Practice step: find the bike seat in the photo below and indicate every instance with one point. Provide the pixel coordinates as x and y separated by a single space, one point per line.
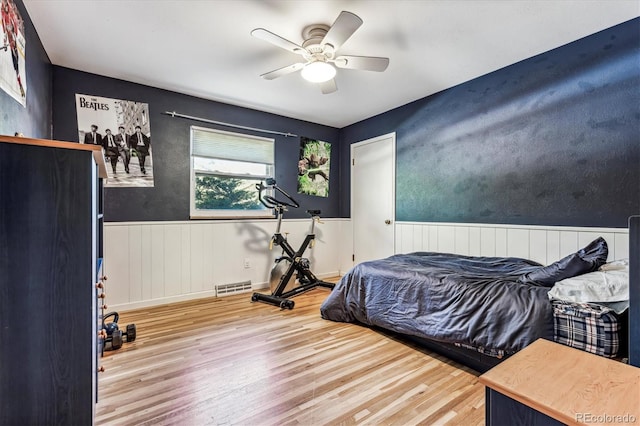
314 212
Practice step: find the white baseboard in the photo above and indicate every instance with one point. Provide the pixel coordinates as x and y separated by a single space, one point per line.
194 296
161 301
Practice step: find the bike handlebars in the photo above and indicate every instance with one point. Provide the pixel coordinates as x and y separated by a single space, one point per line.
272 202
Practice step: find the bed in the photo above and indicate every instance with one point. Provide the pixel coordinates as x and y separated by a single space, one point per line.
479 310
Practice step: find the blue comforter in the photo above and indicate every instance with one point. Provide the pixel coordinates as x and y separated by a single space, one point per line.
471 301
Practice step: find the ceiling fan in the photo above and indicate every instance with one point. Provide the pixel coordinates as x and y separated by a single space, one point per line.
321 42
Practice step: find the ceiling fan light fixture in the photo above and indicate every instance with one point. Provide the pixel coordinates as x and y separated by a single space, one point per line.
319 51
318 72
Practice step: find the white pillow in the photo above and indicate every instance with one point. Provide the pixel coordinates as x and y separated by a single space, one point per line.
615 265
609 284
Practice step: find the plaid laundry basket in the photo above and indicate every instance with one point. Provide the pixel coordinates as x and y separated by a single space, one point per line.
589 327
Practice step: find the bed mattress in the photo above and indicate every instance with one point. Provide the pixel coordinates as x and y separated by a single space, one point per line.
474 303
469 301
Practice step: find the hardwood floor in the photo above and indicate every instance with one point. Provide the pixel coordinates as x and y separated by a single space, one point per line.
229 361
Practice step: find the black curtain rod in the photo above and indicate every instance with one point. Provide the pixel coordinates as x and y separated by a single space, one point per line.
221 123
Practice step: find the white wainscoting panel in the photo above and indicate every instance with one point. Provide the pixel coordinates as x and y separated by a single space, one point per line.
346 246
151 263
544 244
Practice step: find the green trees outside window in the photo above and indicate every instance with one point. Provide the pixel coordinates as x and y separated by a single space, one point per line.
226 193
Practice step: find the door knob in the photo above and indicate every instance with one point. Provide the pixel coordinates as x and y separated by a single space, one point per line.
387 222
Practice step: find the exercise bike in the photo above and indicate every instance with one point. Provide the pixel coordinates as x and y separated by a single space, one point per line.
306 280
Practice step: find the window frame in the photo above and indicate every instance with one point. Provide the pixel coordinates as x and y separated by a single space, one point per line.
195 213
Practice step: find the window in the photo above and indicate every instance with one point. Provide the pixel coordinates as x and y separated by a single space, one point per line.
225 168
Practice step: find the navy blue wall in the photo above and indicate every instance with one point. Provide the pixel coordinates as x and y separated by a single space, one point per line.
552 140
34 121
169 198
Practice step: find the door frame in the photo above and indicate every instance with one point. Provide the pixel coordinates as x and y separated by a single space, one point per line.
392 136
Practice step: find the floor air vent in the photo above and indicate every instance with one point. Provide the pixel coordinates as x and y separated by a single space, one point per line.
233 288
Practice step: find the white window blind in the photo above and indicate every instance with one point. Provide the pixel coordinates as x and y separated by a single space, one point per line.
231 146
225 168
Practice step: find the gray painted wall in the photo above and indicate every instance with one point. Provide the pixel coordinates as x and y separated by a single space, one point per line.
169 198
552 140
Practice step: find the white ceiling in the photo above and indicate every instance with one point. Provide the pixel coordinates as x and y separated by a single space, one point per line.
204 48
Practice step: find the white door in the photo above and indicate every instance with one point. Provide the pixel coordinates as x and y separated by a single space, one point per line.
373 197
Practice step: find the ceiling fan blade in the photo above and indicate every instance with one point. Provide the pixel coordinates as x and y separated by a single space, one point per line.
345 25
275 39
328 86
282 71
367 63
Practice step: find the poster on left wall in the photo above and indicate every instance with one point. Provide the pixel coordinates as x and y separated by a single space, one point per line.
13 48
122 128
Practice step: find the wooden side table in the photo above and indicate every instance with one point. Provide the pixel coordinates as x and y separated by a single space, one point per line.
548 383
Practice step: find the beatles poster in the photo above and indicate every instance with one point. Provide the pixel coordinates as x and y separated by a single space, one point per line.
313 167
122 129
13 45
